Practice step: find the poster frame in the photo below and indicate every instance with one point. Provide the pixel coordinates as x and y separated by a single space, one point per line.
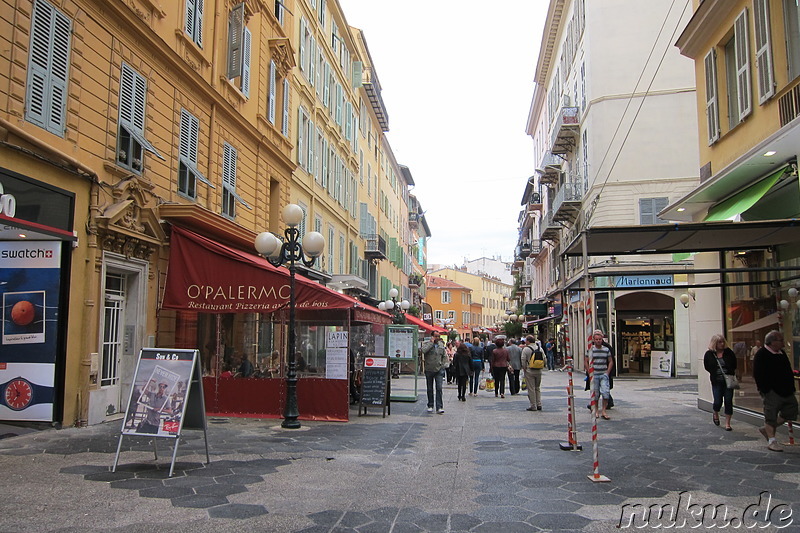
396 335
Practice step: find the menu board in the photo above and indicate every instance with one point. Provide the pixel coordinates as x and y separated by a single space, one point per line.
374 382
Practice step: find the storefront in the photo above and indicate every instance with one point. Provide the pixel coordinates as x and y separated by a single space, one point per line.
233 307
35 243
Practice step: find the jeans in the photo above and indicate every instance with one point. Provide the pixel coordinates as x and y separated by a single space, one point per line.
551 361
430 379
600 381
721 392
475 377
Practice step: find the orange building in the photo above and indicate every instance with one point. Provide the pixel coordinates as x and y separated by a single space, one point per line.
452 305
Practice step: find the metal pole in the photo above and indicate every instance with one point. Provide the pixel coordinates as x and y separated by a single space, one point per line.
290 411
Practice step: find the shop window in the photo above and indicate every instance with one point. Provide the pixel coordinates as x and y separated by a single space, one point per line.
188 175
48 68
131 143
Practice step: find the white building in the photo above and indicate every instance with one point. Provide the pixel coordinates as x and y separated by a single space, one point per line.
614 130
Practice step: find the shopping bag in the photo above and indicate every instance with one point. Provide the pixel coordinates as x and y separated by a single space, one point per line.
482 384
490 384
524 384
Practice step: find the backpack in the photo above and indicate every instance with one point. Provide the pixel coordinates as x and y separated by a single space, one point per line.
536 361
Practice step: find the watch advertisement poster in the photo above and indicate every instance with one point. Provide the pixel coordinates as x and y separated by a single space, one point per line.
157 402
30 281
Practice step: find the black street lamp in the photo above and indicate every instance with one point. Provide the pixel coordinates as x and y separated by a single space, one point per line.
395 308
289 251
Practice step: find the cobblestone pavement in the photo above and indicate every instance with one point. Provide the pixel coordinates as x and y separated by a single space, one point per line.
486 465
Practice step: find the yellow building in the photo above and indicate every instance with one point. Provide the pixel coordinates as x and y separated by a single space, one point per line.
121 120
452 304
747 66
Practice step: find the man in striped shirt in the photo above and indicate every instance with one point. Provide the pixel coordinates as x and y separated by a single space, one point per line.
602 362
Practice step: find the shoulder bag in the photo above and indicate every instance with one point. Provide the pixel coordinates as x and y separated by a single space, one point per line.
730 380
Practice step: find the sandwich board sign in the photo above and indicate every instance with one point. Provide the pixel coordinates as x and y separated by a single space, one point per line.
375 385
166 398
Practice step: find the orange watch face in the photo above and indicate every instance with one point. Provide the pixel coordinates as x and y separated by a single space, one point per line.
18 394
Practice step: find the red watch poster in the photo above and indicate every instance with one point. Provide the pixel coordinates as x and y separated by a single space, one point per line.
30 277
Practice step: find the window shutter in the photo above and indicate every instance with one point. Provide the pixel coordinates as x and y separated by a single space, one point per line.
190 18
248 38
646 215
302 62
766 79
229 158
363 221
39 64
660 204
743 64
59 72
285 124
312 58
300 133
712 105
310 144
198 23
185 136
358 74
272 92
235 37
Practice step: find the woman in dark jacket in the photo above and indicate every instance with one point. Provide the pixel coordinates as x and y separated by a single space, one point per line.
462 368
718 361
499 362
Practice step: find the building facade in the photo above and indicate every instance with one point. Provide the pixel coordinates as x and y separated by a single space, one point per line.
613 128
747 67
124 120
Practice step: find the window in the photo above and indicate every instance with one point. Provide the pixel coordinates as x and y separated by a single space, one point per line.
279 9
331 248
712 104
187 161
131 142
791 17
239 43
48 69
438 315
649 209
445 297
451 315
342 254
285 121
766 80
229 195
194 21
465 317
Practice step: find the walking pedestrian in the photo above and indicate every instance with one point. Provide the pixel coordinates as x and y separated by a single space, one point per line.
533 376
462 368
514 355
599 356
435 362
450 350
499 362
477 367
550 352
774 379
718 361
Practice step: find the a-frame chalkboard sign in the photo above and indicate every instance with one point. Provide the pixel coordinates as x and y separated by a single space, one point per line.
166 398
375 385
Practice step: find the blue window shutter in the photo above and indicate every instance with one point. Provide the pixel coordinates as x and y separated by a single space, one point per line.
59 72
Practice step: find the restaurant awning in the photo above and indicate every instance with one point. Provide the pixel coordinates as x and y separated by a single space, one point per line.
755 325
207 276
540 320
685 237
411 319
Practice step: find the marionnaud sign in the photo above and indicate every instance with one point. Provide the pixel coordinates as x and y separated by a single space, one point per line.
634 282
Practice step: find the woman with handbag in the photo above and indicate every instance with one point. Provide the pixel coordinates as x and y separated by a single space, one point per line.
720 363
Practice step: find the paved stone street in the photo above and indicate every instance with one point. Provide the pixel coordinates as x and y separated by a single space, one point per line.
486 465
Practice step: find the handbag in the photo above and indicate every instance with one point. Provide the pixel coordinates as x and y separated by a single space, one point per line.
730 380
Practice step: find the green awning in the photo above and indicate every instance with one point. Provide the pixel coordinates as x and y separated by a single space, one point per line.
744 199
535 309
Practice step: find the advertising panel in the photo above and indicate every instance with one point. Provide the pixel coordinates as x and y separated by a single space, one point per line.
30 279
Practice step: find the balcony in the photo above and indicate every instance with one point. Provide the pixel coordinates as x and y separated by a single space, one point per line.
548 229
565 131
413 220
375 247
550 170
414 281
525 281
567 203
789 105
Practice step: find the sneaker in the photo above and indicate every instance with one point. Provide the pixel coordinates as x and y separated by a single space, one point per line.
440 411
539 408
430 409
763 431
530 409
775 447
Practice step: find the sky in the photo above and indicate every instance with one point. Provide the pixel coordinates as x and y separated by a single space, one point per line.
457 82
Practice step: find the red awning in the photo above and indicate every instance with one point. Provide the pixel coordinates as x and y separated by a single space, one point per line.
411 319
208 276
